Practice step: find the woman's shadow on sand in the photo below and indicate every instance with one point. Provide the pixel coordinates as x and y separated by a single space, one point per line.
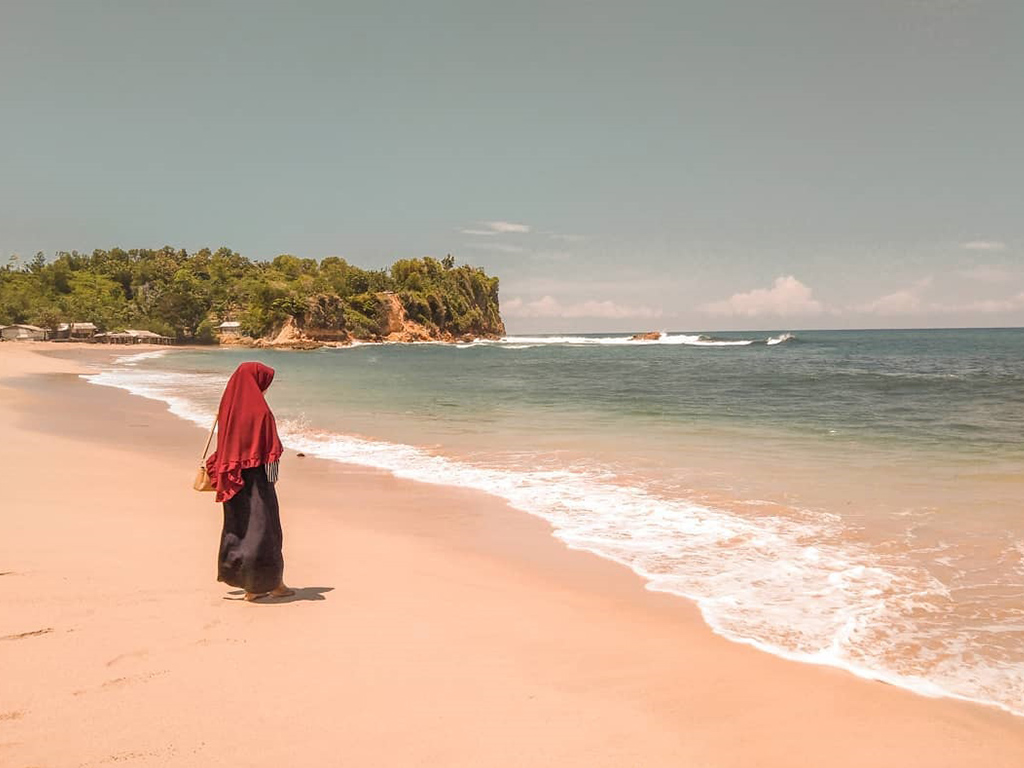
301 593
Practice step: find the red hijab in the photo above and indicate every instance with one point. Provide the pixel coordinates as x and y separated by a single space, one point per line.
246 430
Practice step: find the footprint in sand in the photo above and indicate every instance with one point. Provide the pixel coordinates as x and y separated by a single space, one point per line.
119 682
16 714
23 635
129 655
218 641
132 757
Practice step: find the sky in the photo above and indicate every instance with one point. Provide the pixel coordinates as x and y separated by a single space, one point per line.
691 166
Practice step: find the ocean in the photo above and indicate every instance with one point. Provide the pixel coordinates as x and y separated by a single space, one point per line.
848 498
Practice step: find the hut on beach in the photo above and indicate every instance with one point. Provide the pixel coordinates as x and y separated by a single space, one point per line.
230 328
132 336
22 332
75 332
148 337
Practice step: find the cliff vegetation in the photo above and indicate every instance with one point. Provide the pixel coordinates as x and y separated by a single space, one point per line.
290 300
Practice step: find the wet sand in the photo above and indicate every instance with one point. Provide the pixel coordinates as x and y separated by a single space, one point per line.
431 626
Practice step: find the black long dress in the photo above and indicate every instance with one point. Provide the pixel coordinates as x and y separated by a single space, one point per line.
250 544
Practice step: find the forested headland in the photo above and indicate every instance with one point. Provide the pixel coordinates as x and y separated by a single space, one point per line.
187 295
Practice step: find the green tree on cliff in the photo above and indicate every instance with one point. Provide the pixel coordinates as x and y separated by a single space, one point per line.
186 295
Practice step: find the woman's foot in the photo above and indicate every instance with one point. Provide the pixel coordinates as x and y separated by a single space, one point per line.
253 596
282 591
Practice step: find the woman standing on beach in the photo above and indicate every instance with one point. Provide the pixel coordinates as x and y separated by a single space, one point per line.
243 471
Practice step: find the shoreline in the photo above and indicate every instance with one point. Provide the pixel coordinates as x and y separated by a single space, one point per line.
445 470
493 592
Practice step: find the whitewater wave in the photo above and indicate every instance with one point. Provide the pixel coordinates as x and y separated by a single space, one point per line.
665 339
180 391
791 584
138 357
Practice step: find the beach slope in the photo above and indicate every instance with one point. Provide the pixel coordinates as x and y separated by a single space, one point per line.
431 626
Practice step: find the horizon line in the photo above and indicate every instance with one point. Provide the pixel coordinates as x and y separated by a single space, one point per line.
787 330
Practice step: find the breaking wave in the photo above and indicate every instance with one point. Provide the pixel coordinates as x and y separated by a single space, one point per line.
138 357
666 339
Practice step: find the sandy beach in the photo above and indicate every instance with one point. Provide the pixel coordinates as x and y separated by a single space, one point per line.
431 626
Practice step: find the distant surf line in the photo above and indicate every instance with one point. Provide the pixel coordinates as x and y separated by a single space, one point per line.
664 339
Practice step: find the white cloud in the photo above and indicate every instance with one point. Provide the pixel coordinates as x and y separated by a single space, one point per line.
908 301
787 297
549 306
506 226
912 301
489 228
984 245
992 306
905 302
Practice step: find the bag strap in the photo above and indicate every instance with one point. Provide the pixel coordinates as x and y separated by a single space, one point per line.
209 440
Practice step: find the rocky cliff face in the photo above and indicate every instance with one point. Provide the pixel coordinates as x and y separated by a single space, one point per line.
391 323
396 325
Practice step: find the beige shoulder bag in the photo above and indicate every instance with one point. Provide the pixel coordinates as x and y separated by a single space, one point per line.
202 481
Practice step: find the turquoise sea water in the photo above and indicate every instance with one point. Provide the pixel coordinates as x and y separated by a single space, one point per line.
836 497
